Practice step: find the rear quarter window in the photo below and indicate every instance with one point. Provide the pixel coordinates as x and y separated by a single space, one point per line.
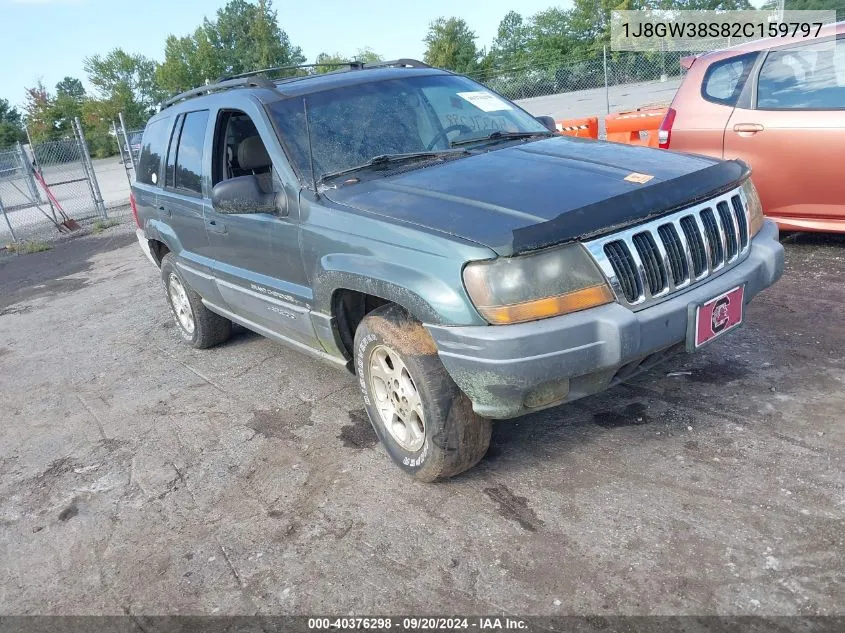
724 80
153 148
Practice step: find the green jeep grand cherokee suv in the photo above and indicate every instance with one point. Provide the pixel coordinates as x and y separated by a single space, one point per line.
462 260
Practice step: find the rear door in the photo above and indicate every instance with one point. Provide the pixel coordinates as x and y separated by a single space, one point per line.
147 182
184 196
793 134
701 118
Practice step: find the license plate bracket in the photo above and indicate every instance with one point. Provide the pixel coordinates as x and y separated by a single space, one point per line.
710 320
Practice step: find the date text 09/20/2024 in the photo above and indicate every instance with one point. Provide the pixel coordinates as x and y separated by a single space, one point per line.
417 623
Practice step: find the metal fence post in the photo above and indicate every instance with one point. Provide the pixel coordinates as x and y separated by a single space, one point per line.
606 85
92 177
26 167
120 149
81 149
9 224
126 139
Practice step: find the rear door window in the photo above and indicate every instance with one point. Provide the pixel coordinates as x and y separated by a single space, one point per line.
170 168
189 155
810 77
153 147
724 80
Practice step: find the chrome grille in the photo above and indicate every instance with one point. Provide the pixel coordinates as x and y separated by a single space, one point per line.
646 263
717 246
675 250
652 261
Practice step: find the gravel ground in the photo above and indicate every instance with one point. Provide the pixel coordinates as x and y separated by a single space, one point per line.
140 476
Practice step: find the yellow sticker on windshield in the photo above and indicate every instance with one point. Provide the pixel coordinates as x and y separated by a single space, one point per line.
638 178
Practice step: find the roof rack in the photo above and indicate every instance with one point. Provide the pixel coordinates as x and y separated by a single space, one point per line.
353 65
226 84
250 79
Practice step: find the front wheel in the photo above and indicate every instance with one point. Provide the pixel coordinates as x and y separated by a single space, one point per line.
425 422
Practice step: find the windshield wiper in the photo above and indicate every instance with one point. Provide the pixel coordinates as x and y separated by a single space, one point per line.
499 135
383 159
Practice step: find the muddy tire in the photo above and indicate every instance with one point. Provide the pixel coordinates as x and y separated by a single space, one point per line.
424 421
199 327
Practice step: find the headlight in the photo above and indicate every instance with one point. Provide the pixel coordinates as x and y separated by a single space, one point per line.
755 209
529 287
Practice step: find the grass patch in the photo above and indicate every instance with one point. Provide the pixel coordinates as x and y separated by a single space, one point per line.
101 225
25 248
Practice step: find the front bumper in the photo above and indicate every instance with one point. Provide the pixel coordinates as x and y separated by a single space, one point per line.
511 370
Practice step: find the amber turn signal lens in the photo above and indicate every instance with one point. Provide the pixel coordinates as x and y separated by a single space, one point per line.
548 307
756 223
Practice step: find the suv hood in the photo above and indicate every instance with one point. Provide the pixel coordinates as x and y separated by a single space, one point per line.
528 196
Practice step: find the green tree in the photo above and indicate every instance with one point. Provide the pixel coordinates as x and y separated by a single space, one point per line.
11 126
124 83
67 104
119 72
810 5
551 36
243 37
71 87
38 113
451 44
189 62
509 49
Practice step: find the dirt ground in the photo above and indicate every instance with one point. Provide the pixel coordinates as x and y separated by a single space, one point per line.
140 476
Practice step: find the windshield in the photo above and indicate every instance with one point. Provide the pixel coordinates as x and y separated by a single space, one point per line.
352 125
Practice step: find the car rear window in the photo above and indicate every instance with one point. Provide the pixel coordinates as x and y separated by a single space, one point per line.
153 147
724 80
810 77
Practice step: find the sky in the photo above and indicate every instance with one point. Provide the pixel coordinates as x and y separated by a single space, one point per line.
48 39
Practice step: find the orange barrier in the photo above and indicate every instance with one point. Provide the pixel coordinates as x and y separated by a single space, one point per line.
636 127
587 127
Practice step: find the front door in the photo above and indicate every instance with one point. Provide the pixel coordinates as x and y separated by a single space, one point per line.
794 136
257 262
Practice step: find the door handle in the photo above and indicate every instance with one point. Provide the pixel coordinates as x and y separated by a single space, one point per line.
166 211
748 129
216 227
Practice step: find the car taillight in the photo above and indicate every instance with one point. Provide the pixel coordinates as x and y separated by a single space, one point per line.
664 132
134 208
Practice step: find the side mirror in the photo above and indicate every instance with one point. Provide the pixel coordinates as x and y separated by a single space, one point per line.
244 195
548 122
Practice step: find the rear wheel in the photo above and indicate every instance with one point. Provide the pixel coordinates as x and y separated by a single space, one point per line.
199 327
425 422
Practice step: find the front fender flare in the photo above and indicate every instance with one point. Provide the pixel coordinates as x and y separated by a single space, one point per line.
405 286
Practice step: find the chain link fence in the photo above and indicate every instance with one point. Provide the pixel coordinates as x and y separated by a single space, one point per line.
593 86
50 188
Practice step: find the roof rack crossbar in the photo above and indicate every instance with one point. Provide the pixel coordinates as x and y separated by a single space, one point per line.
408 63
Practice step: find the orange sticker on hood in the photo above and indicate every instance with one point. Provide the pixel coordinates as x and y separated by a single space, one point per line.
638 178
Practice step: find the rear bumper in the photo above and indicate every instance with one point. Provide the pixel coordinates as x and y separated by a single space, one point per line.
512 370
145 246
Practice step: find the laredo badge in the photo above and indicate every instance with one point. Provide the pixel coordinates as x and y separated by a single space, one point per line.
638 178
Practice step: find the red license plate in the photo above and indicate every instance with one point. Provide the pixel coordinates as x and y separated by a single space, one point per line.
718 316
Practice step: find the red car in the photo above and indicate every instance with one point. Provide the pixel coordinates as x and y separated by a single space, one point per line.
779 105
